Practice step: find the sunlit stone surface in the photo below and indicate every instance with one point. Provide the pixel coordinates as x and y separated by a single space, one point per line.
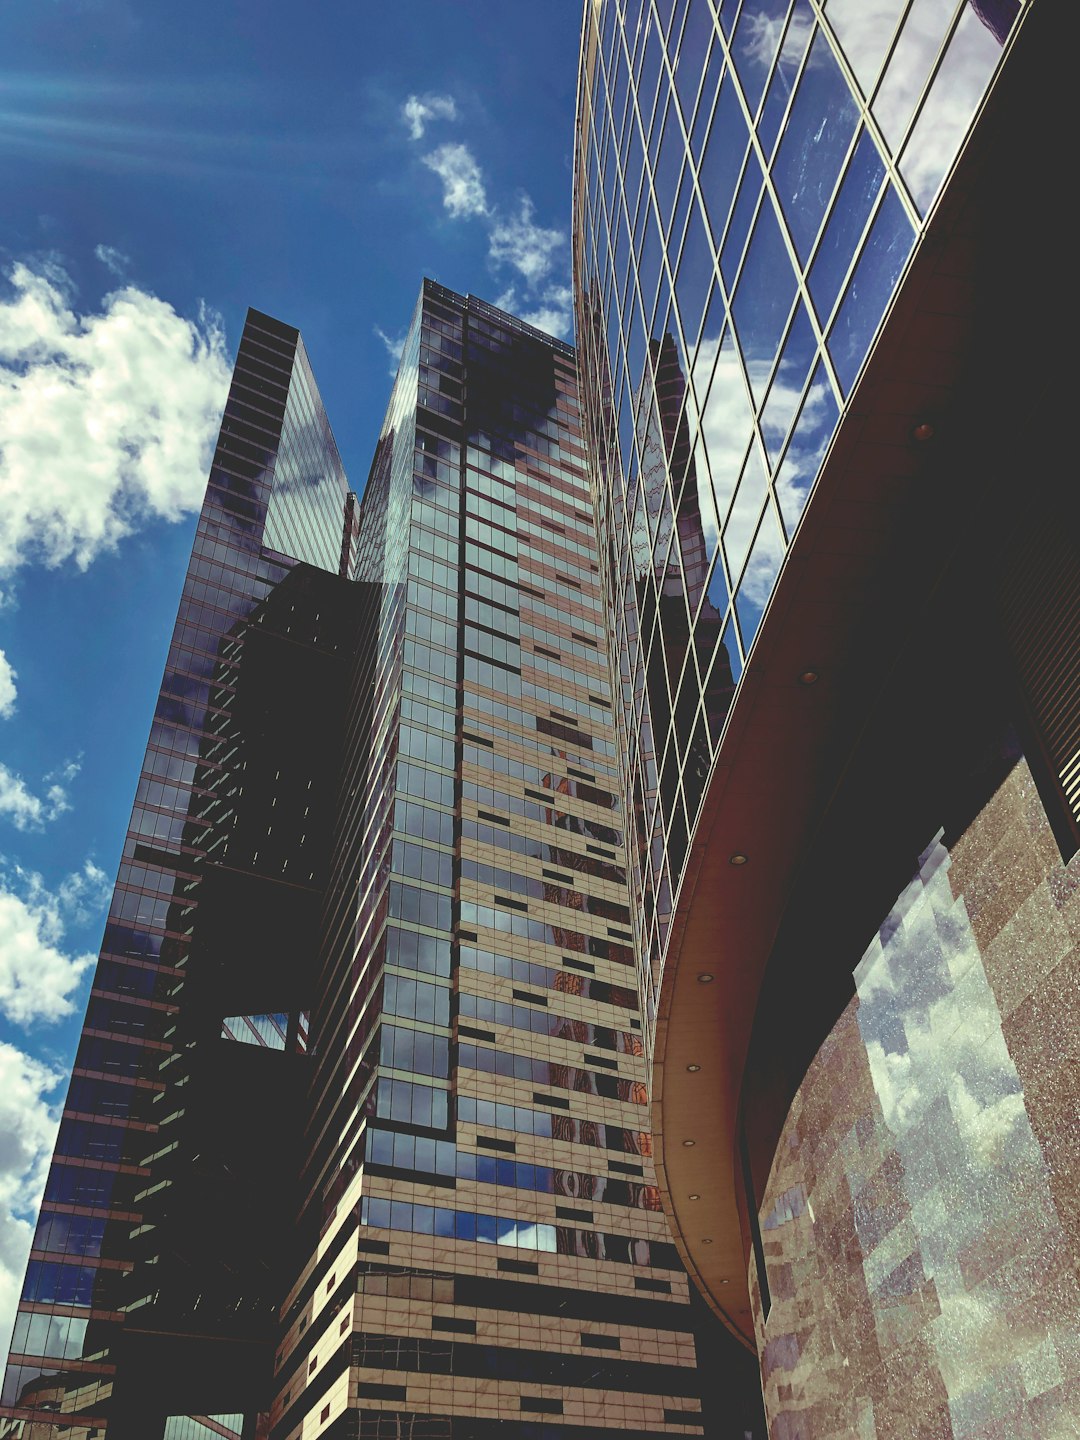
920 1224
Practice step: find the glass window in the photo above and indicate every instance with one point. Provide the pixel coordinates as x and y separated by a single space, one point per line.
786 390
649 264
763 299
745 515
755 42
798 32
726 424
741 217
760 576
865 33
815 140
816 423
649 73
857 194
723 158
696 274
872 284
694 57
959 86
669 159
910 67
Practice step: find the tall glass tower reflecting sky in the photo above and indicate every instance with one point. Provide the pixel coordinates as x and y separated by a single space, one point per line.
750 182
816 290
358 1142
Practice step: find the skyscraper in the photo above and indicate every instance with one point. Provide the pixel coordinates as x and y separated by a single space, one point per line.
357 1141
841 562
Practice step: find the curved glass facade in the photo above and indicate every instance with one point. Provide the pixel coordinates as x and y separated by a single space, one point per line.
751 181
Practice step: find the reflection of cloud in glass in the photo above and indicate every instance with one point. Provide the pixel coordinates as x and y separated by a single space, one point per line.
760 33
864 29
809 442
723 431
965 73
787 386
745 513
757 37
764 563
951 1096
909 67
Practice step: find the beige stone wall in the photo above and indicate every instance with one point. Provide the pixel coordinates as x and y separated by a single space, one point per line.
921 1224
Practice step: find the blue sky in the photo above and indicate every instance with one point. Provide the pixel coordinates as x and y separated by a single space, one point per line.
163 167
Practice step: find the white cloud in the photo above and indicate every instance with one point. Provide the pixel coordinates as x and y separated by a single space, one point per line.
463 183
534 254
522 244
113 259
416 112
36 975
7 687
28 1124
84 894
393 347
28 811
554 313
106 419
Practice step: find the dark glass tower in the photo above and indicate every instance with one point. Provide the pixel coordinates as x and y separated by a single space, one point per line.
154 1276
357 1143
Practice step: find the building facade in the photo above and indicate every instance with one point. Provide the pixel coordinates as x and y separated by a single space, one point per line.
357 1141
840 556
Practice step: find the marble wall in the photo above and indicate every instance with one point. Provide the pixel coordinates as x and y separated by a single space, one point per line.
921 1223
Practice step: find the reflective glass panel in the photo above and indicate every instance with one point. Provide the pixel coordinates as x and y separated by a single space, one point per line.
816 138
959 85
870 289
857 193
763 299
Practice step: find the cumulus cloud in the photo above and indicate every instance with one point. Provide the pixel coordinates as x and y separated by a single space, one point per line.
554 313
106 419
113 259
417 111
28 1121
37 975
83 895
462 181
532 256
528 248
393 346
29 811
7 687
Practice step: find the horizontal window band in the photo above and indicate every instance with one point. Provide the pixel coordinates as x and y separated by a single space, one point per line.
474 1034
495 819
539 1098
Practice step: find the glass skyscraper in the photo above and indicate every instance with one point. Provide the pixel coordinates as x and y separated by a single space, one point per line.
818 283
357 1142
751 181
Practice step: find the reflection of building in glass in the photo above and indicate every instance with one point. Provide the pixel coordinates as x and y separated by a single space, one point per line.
357 1140
815 388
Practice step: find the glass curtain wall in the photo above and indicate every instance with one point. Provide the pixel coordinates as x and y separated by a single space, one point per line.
750 182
